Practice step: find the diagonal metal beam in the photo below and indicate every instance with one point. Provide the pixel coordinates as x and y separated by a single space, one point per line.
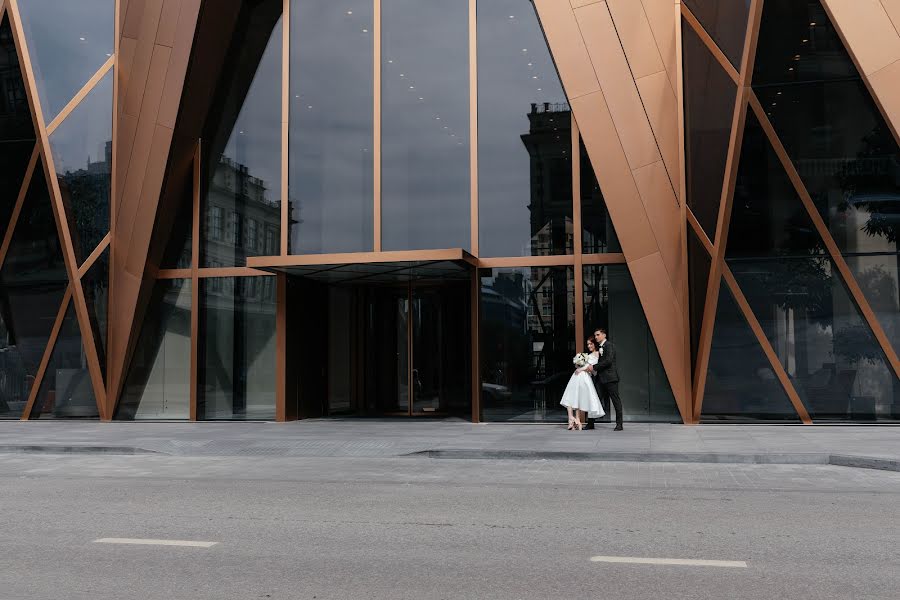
59 214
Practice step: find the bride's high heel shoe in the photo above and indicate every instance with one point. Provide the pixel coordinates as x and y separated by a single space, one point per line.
578 425
571 424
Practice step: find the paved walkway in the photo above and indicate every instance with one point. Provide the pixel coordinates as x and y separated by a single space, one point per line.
850 445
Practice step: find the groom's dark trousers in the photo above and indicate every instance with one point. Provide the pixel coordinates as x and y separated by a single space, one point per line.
606 379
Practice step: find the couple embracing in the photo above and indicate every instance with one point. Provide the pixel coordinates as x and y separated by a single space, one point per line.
596 375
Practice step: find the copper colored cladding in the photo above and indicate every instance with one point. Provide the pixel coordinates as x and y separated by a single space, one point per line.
59 214
157 40
620 140
870 30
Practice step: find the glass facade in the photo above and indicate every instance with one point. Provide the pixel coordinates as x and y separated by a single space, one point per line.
425 191
236 374
398 214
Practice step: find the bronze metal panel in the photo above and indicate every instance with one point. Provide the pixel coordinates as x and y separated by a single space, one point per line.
178 63
615 177
124 60
664 18
349 258
134 12
140 68
604 259
568 48
662 110
618 85
168 23
892 7
172 274
664 316
125 134
634 31
868 31
580 3
664 215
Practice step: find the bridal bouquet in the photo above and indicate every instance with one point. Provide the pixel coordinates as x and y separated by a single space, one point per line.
580 360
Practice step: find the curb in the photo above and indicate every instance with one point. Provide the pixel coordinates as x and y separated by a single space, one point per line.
858 462
54 449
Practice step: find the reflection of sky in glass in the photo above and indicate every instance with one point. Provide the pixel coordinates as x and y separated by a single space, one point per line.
79 148
425 117
255 140
331 127
514 70
69 40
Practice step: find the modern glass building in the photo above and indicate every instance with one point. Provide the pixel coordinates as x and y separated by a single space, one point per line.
287 209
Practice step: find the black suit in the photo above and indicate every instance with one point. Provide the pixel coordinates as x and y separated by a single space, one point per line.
606 380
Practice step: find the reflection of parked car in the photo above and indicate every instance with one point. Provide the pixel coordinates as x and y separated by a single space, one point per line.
492 391
883 204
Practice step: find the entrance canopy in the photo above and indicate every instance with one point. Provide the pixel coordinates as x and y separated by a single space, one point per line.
373 267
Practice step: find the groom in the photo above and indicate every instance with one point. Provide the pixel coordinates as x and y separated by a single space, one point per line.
606 378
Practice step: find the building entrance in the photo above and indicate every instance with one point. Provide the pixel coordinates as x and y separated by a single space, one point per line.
362 348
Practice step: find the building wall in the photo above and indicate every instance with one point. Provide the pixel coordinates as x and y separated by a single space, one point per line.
716 183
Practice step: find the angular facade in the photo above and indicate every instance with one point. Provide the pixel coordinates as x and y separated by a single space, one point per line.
287 209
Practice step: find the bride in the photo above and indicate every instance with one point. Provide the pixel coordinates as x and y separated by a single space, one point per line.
580 394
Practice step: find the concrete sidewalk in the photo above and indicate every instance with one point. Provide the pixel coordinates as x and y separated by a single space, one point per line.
872 447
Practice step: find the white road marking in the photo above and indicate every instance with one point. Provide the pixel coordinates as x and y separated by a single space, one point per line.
734 564
143 542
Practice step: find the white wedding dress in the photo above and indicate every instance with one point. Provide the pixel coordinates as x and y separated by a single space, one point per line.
580 393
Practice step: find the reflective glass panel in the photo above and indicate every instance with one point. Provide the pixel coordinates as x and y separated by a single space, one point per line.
726 22
527 342
66 391
709 96
524 137
82 152
68 42
798 43
828 350
699 264
768 218
598 234
425 124
740 381
878 276
611 302
242 166
32 283
831 128
158 384
17 137
331 158
236 374
179 247
96 293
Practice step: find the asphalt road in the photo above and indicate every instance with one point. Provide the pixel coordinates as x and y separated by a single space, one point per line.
348 528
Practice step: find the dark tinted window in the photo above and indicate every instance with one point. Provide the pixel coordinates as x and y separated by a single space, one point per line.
241 208
726 22
709 96
524 137
96 293
527 342
598 234
331 157
740 381
699 264
425 124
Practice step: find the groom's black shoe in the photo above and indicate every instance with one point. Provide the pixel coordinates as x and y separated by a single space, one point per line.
590 424
618 428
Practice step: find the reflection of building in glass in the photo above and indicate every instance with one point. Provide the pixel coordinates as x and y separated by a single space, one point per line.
549 145
241 221
86 196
